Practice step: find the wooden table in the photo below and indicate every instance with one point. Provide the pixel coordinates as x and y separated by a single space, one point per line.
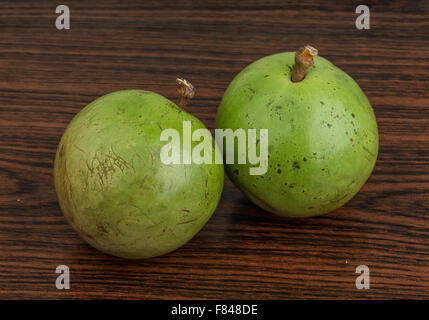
48 75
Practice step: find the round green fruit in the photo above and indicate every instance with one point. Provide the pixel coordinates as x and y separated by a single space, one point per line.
113 187
322 133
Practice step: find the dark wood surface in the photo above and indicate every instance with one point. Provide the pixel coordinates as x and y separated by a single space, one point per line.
47 76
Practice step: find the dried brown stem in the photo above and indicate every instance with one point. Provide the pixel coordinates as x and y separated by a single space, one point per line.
303 61
186 91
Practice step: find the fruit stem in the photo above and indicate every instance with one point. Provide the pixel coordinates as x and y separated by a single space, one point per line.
186 92
303 61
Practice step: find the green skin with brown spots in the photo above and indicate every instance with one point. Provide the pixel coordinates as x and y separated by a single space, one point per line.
113 187
323 137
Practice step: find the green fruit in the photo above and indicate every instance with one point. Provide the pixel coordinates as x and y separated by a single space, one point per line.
113 187
323 138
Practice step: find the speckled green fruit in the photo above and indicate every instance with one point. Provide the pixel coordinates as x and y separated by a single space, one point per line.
323 137
113 187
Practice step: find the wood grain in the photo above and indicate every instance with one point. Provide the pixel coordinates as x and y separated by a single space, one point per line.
48 75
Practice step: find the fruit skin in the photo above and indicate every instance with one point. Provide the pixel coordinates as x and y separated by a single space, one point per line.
323 137
113 187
